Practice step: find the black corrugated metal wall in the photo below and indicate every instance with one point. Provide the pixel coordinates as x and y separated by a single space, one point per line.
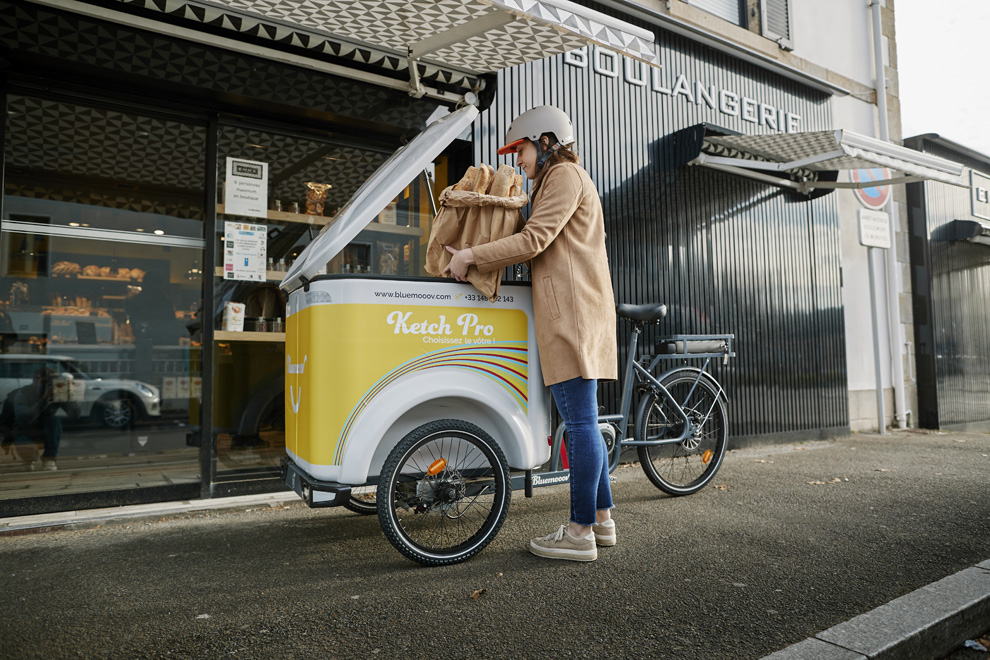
950 281
726 254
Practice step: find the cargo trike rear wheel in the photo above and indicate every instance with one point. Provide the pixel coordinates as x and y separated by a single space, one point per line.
443 493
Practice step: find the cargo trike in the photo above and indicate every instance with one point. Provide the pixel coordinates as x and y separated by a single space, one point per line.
421 401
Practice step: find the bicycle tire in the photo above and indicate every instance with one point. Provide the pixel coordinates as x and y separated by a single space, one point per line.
685 467
363 501
449 516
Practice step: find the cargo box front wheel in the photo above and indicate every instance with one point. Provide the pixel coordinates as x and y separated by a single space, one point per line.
444 492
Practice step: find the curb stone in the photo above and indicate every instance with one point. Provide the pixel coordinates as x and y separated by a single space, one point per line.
128 514
929 622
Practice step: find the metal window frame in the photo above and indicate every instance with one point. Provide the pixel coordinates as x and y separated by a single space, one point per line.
95 234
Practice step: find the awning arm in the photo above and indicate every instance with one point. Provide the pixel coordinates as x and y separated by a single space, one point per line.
450 37
705 159
750 174
865 184
462 32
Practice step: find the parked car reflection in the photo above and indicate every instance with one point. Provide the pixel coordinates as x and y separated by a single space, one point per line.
114 402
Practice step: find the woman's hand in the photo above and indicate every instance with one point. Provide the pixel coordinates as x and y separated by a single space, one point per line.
459 263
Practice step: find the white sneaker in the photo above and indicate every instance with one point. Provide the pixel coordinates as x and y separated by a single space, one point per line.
561 545
604 532
49 464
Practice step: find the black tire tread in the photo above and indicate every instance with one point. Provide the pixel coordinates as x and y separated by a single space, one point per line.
392 463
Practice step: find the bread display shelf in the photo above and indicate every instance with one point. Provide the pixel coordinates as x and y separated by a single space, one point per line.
319 220
270 275
227 335
285 216
96 278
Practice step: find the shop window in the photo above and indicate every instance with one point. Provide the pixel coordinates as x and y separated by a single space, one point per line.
296 184
776 22
100 290
733 11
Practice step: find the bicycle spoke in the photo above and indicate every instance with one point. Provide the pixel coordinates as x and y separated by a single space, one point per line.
683 466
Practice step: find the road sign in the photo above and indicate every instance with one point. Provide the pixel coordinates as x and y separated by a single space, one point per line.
874 228
872 197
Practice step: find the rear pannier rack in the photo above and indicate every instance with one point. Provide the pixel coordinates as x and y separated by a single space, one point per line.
695 346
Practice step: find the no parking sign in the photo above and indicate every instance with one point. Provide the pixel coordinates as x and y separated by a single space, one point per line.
872 197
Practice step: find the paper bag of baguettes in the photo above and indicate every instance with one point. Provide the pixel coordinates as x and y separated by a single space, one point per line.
482 207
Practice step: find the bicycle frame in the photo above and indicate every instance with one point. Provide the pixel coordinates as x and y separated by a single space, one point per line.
636 376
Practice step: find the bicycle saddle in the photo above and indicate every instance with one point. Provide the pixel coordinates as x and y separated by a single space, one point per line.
644 313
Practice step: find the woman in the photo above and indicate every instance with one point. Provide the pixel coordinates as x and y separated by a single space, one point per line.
573 308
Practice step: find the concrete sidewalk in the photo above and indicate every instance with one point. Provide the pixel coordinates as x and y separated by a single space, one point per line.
866 547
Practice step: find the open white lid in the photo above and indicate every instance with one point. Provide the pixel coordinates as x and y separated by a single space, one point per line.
383 186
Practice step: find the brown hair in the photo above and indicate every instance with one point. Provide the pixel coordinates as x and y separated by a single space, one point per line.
561 155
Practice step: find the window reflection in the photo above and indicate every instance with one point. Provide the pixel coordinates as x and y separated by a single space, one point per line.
100 298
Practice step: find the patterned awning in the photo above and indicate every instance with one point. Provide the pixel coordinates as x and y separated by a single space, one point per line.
466 36
824 151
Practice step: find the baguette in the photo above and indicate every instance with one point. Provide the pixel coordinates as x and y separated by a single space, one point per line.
469 179
502 182
516 189
485 177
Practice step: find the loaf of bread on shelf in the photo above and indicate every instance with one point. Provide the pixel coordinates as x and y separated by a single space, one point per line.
105 271
124 273
502 182
65 268
91 271
137 274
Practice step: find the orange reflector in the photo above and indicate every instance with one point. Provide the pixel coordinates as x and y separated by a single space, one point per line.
707 456
437 466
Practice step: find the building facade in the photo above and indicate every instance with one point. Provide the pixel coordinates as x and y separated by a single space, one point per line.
119 236
950 266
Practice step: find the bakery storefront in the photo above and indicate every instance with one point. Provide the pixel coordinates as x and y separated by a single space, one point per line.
165 162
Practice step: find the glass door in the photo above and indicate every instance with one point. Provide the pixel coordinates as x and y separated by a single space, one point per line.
100 298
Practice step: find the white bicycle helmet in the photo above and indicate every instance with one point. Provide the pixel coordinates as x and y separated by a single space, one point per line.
533 123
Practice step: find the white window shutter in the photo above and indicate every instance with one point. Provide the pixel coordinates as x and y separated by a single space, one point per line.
777 23
730 10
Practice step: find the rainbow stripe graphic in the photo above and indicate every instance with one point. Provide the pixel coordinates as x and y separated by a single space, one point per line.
506 363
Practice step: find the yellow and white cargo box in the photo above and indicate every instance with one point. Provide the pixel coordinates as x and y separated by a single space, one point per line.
368 360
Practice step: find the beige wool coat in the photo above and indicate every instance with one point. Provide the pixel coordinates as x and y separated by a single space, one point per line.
573 304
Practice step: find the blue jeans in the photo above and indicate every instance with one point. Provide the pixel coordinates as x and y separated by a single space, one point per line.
577 402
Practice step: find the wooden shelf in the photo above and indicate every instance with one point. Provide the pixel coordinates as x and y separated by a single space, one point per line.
283 216
227 335
125 280
270 275
319 220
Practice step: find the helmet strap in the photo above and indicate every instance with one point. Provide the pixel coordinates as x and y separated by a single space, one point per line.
544 154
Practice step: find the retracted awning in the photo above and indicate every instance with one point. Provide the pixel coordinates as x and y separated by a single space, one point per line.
467 36
801 160
973 231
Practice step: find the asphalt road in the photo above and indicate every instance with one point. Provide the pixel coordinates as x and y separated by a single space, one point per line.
790 540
